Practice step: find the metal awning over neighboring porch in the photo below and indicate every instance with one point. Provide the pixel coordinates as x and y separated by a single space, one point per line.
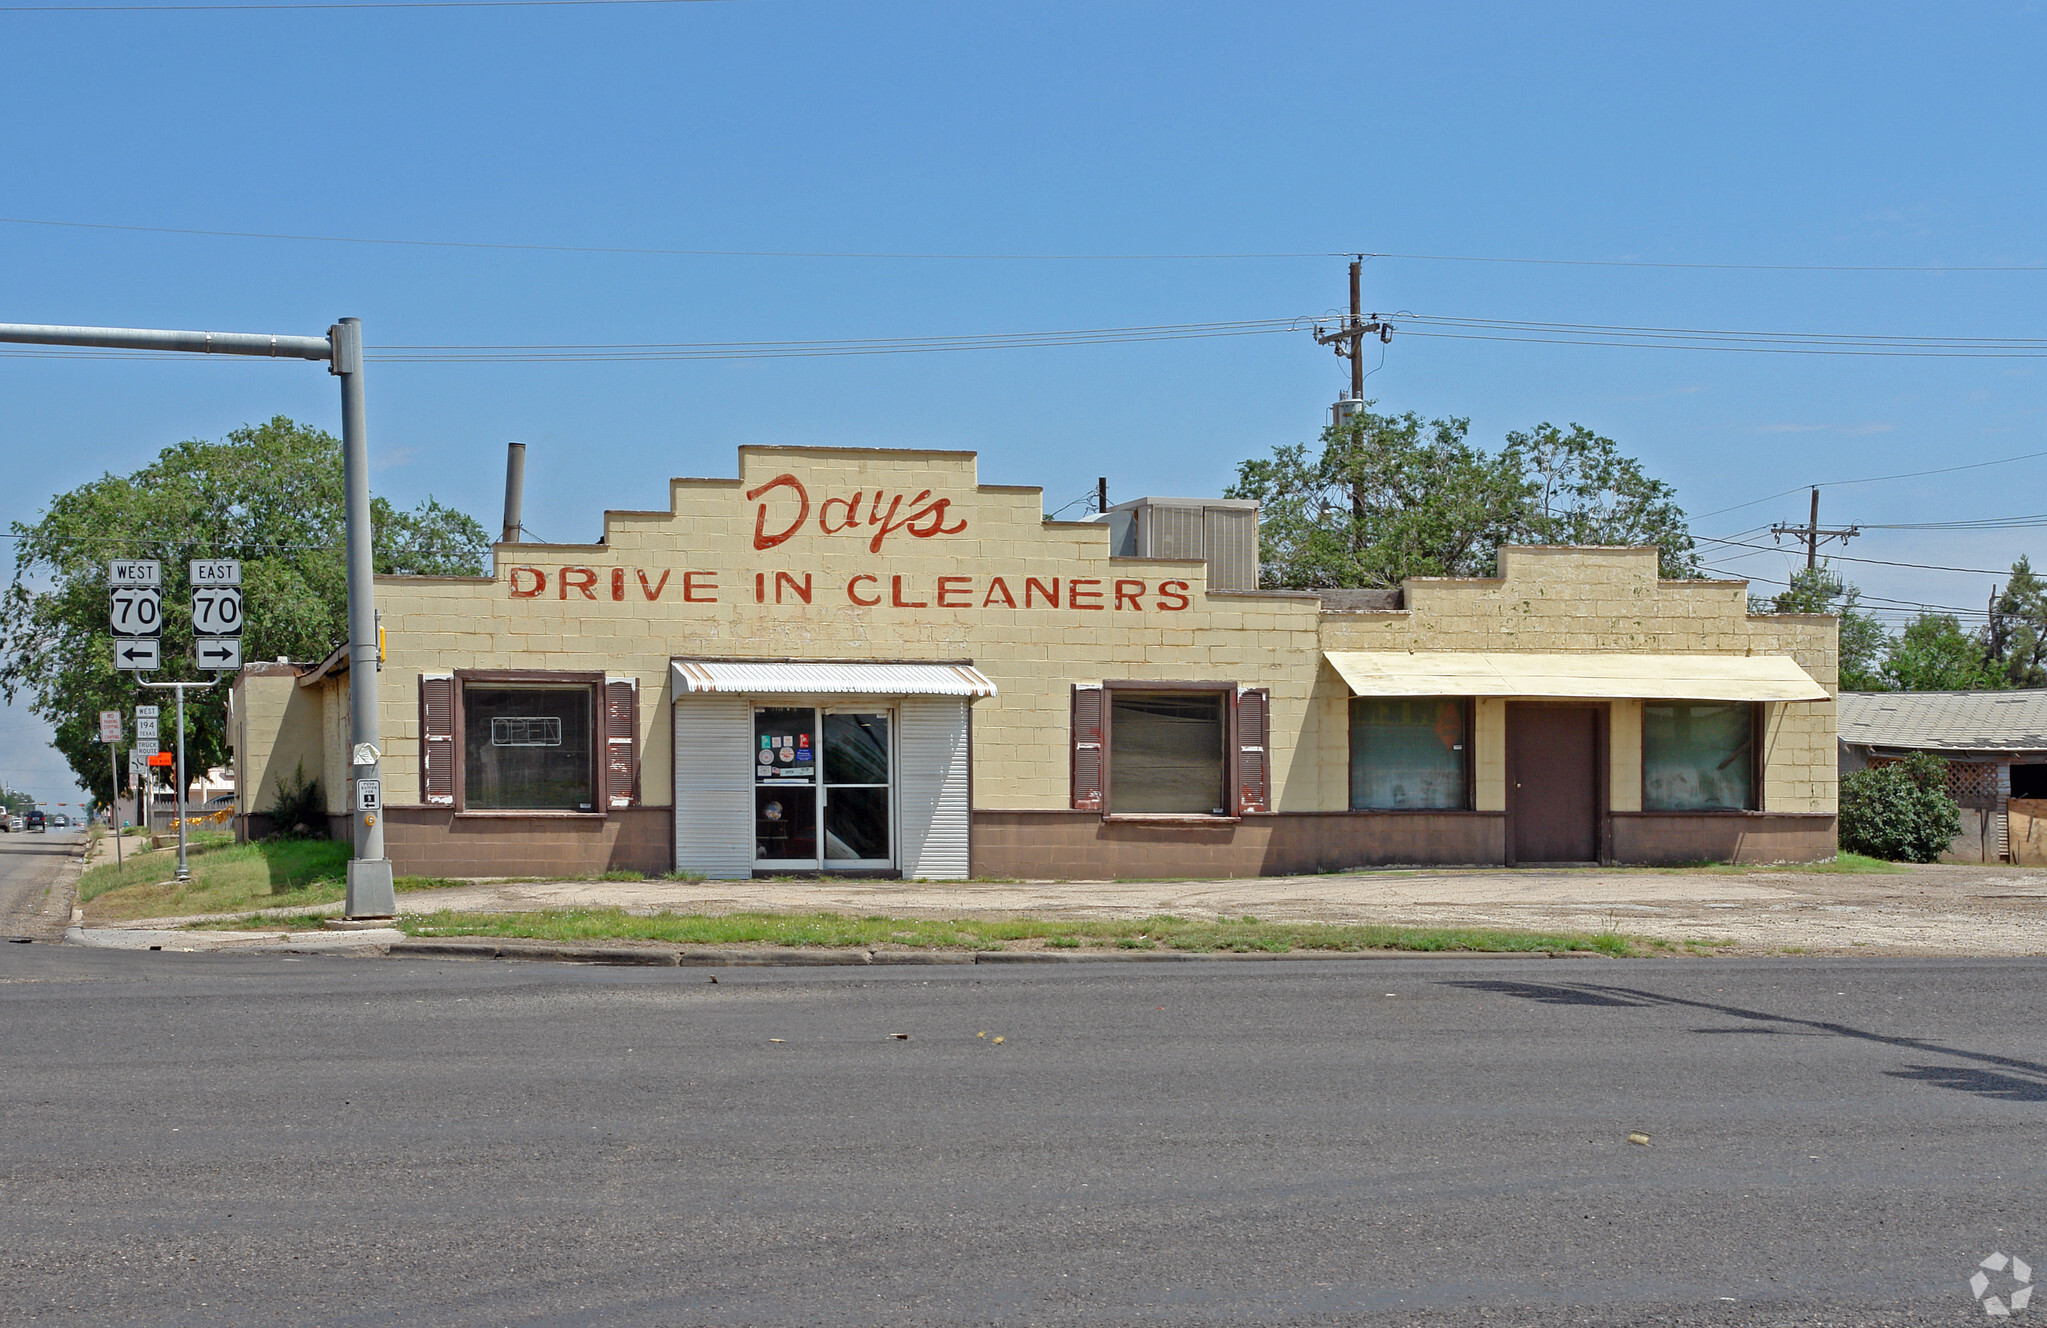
1596 676
826 679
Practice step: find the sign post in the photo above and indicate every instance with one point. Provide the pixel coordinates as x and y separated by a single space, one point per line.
184 872
110 734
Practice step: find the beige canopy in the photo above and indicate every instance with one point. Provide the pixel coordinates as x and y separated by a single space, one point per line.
1640 677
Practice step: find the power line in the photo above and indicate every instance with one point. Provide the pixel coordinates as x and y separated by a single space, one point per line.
1934 268
334 4
1717 267
1894 605
1875 479
1842 557
628 249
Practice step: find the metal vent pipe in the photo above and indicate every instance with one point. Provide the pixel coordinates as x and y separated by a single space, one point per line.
515 490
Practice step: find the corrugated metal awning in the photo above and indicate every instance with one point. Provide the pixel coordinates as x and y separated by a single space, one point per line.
1638 677
741 676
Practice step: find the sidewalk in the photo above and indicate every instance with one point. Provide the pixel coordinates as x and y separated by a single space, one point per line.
1933 910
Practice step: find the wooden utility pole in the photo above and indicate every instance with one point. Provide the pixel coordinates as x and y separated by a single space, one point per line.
1811 535
1348 341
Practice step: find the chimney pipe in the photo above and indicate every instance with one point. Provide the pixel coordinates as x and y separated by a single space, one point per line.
515 490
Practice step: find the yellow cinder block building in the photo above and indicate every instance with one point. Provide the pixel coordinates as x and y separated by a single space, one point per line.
865 661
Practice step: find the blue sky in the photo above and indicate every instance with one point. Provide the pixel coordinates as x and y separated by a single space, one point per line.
1807 135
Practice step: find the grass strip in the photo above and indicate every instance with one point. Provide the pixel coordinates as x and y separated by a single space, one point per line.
227 877
837 930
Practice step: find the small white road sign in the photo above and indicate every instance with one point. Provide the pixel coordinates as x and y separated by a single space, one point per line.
220 653
147 746
138 762
138 655
135 572
143 712
216 611
369 794
145 728
136 611
216 572
110 726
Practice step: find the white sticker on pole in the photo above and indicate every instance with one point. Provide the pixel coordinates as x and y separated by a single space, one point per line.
216 572
110 726
366 754
135 572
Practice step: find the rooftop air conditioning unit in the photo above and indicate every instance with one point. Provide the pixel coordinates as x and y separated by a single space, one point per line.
1223 532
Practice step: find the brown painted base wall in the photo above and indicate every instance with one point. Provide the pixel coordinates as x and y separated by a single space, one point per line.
433 841
1081 845
1066 845
1667 838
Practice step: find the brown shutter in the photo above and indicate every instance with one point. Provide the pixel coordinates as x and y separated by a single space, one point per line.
621 742
1254 757
1087 748
437 739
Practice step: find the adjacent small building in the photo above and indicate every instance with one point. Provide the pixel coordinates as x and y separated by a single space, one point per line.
1995 747
868 662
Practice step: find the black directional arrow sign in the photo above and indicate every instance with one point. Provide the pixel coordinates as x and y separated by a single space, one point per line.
222 653
140 655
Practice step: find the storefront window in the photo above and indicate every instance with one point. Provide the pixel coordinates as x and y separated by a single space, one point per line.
1698 756
527 747
1167 753
1409 753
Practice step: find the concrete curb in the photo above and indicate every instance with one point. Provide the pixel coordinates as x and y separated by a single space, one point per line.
791 957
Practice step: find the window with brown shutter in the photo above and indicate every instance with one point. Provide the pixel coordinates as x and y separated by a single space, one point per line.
1254 756
621 742
437 739
1087 748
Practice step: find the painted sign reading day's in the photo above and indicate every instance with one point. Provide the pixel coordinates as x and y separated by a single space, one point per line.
784 508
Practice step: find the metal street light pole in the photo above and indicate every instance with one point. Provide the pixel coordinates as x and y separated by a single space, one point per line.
370 886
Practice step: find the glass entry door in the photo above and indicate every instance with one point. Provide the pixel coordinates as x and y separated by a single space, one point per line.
822 789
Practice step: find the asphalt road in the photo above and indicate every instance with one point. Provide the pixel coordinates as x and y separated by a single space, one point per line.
28 864
198 1139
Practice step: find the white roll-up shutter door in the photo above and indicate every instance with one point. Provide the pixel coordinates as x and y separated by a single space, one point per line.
931 754
713 762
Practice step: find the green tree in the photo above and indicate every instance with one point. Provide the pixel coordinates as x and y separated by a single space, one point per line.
269 494
1900 812
2016 638
1864 642
1388 497
1585 492
1934 654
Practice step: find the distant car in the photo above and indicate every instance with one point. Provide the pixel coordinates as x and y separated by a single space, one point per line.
60 822
38 821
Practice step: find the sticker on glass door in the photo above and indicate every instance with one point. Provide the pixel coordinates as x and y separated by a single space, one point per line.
822 781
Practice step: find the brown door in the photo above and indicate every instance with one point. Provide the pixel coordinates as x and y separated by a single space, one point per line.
1553 782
